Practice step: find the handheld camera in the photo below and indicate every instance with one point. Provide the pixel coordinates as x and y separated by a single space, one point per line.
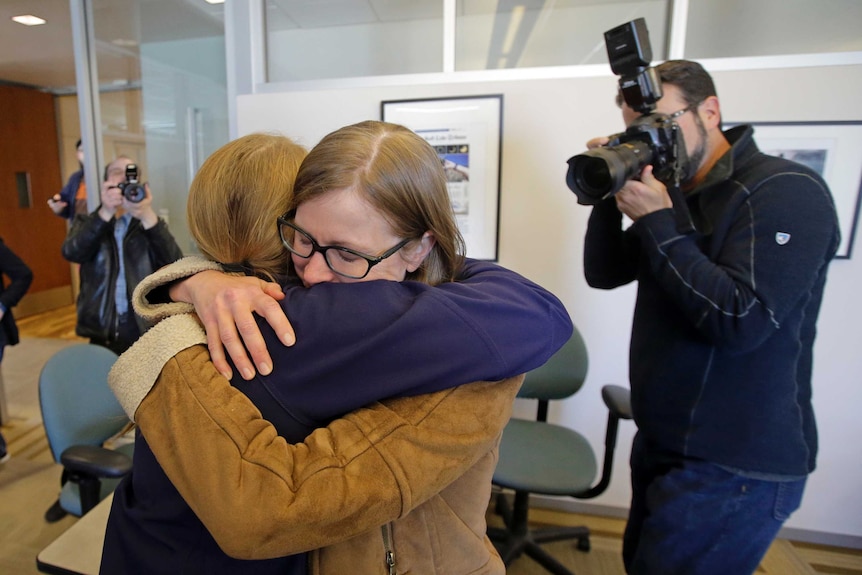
652 138
132 189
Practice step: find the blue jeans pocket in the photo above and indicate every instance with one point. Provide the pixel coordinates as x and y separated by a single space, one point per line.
788 497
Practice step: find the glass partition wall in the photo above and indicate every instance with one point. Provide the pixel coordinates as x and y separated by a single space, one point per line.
349 39
491 35
361 38
161 93
745 28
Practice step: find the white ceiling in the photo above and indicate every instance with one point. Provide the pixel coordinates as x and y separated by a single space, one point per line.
42 56
36 55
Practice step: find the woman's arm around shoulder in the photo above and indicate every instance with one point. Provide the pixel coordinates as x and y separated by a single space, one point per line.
225 304
518 317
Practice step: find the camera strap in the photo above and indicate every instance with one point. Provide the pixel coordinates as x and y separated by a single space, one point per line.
684 223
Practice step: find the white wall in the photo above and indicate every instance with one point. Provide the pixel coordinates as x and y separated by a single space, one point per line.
542 228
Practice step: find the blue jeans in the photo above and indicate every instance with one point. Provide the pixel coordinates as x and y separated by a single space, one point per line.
691 517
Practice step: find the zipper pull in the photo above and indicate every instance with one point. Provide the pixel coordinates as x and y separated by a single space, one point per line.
390 561
387 546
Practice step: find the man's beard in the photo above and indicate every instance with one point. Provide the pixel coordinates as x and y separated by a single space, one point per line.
696 157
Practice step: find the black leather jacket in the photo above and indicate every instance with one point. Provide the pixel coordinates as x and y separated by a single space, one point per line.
90 242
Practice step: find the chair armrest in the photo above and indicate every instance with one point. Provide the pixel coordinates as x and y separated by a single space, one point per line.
96 461
618 400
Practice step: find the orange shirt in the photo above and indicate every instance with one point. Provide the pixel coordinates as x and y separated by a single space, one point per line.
81 198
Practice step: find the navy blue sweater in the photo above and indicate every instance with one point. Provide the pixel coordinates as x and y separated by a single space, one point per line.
724 324
69 193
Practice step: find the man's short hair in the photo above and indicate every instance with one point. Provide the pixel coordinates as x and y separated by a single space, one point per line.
693 81
112 162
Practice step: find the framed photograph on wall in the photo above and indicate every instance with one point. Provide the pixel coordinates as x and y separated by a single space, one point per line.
833 150
466 132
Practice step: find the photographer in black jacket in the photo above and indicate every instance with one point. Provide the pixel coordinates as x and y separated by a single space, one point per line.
722 338
117 245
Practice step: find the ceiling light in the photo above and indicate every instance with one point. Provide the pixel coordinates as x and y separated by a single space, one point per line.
28 20
214 1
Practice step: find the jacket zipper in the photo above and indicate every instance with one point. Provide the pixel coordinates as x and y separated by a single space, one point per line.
387 546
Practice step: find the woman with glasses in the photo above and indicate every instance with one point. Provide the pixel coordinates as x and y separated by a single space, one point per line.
395 486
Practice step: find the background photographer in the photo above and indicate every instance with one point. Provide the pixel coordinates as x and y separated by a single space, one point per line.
721 344
72 198
117 245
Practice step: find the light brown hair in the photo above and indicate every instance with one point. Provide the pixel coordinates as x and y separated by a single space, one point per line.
235 198
398 173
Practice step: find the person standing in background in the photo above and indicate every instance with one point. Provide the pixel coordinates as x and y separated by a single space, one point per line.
722 339
117 245
72 199
20 278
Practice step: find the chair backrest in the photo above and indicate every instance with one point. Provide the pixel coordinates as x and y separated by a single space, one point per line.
562 375
78 407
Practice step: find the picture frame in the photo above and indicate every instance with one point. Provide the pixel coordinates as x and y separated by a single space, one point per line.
466 132
833 150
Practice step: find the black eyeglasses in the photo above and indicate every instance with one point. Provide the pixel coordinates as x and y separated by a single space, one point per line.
343 261
674 116
679 113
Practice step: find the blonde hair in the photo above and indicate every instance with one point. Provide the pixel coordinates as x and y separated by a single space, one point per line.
235 198
400 174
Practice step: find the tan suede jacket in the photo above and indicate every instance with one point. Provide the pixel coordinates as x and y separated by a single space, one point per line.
407 479
402 483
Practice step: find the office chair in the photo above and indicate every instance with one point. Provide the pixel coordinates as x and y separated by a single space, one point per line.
543 458
80 413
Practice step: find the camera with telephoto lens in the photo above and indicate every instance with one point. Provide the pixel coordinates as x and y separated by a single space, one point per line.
652 138
132 189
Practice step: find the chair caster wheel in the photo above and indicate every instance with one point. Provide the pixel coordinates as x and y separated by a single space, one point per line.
55 513
584 543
